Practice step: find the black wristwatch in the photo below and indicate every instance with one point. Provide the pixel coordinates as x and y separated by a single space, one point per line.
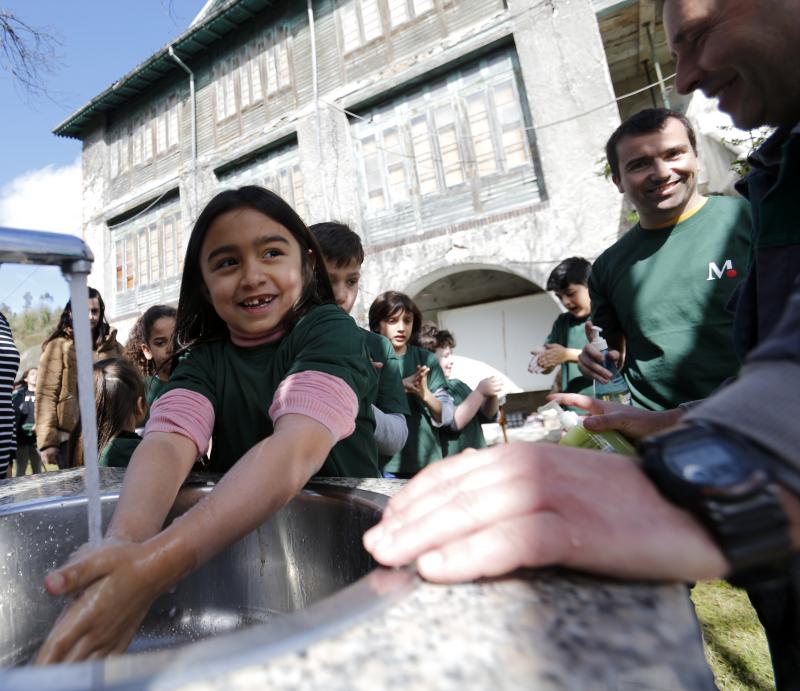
725 481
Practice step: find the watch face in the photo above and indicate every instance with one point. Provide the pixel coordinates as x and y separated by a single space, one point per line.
707 462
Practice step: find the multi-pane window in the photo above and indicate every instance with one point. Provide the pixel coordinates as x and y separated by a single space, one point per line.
257 69
359 21
148 248
465 131
402 11
146 138
278 171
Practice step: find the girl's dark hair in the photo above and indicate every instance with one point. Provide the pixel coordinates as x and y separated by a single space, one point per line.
140 335
117 389
390 303
64 327
432 337
196 320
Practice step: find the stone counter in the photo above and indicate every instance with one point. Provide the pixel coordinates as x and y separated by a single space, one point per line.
537 630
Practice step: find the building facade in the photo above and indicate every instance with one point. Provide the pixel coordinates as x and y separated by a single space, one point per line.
462 140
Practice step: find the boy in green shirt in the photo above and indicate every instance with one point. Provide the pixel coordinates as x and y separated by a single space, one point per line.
472 408
569 281
344 255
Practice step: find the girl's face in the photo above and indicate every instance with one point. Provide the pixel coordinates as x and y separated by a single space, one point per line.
251 269
445 358
30 378
159 343
397 328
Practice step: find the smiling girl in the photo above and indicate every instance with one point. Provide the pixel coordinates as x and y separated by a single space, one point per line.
266 365
395 316
149 347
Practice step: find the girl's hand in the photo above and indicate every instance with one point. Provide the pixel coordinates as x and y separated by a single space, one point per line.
113 588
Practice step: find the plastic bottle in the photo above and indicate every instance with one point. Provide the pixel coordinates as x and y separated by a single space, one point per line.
616 389
576 435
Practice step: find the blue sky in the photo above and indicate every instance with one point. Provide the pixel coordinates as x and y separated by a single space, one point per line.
100 41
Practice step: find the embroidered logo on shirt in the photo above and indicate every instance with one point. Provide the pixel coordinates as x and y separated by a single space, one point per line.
715 272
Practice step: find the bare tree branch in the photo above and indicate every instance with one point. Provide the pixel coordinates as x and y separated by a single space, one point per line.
27 53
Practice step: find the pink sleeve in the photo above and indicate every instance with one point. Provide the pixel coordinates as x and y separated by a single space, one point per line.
320 396
183 412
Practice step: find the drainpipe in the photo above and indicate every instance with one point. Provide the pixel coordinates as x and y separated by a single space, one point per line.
657 65
315 86
193 99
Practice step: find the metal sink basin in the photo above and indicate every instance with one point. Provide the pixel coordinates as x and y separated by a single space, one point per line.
299 577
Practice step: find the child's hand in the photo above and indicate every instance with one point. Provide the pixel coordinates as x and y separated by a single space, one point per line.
417 383
489 387
553 354
113 587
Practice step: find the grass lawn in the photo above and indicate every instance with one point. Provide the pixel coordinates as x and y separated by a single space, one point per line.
734 641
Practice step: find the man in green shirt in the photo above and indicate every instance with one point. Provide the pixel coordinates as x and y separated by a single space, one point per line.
660 292
344 255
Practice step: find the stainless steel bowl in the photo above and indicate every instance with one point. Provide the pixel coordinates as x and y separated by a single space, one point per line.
300 576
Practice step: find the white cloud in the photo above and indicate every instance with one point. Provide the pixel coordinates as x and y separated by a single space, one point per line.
45 199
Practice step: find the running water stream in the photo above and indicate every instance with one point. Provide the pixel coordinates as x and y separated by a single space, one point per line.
83 350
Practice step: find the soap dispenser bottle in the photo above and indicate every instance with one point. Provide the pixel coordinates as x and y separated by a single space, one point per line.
616 389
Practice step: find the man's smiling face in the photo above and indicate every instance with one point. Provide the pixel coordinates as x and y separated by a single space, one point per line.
743 52
658 172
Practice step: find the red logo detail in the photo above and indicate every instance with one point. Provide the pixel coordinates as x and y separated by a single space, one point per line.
730 273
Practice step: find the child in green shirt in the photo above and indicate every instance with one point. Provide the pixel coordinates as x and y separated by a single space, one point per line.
149 347
569 281
264 363
344 255
395 316
472 408
119 395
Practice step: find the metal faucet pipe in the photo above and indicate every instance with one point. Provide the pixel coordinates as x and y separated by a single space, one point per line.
19 246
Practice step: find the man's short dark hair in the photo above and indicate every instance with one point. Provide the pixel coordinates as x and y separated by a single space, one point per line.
432 337
572 270
644 122
339 244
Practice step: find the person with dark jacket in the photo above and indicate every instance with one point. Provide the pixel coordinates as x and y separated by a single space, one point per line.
23 401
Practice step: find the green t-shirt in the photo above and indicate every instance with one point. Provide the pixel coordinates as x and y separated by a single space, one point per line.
240 384
569 332
119 450
391 398
471 437
422 445
666 291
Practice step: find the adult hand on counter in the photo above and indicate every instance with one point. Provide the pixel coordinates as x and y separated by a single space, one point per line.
113 587
486 513
634 423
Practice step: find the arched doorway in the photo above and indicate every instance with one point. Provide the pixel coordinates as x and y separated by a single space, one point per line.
496 316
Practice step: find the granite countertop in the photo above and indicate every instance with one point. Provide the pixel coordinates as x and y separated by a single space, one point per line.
546 629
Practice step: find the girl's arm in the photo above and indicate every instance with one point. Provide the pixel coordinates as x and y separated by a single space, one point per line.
483 398
116 584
